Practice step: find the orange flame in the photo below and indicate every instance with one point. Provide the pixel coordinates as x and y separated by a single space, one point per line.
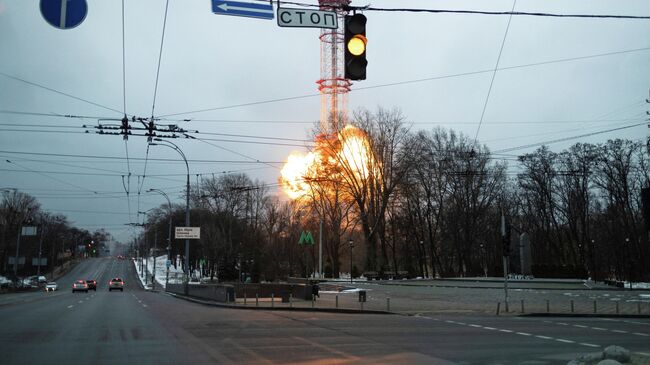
350 151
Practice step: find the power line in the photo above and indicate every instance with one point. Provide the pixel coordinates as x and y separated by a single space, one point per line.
487 98
235 152
162 39
58 92
123 61
569 138
405 82
135 158
474 12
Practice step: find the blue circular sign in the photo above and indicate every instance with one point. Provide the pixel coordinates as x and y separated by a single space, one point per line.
64 14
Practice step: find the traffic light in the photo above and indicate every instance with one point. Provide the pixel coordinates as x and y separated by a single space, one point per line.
355 47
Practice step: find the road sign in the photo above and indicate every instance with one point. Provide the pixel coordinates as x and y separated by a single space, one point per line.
64 14
307 18
236 8
191 233
29 231
306 238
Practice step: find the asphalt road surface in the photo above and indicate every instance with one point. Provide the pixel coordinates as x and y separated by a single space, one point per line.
139 327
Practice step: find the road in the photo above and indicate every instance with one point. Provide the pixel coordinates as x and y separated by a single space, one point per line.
140 327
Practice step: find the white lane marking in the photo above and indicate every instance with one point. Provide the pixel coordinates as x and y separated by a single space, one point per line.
619 331
523 333
544 337
144 305
588 344
563 340
70 306
562 324
462 323
643 353
506 331
599 328
580 326
475 326
490 328
81 301
625 321
641 334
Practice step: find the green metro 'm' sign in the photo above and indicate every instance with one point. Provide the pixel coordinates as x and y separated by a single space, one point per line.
306 238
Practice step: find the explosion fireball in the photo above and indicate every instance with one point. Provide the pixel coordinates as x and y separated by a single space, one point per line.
349 152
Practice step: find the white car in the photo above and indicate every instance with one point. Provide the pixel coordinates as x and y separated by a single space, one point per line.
51 286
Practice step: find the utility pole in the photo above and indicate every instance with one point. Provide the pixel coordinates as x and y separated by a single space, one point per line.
351 250
506 252
320 250
40 250
155 246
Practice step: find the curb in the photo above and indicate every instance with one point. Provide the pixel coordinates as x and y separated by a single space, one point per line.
289 309
587 315
493 287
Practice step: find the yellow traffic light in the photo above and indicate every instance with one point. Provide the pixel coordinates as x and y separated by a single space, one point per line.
357 45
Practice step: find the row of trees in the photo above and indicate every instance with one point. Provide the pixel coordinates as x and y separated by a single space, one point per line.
430 203
56 237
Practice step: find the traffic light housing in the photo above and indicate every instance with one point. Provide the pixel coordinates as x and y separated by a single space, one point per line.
355 47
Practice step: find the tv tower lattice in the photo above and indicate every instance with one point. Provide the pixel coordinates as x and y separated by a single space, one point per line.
333 85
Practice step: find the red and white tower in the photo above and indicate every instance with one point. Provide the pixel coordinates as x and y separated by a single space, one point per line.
333 85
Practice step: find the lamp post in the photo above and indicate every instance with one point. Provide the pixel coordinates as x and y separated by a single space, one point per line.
169 231
629 262
187 205
351 243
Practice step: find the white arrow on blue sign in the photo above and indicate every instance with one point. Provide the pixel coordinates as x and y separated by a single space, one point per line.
64 14
236 8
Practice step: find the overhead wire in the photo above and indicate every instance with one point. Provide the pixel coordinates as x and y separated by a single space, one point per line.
420 80
58 92
470 12
487 98
162 39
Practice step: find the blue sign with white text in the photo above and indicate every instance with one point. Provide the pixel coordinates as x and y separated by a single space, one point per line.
236 8
64 14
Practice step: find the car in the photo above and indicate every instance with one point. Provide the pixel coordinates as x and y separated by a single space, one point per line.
116 284
51 286
80 285
42 280
92 285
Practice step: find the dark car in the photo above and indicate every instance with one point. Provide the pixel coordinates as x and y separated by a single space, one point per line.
116 284
92 285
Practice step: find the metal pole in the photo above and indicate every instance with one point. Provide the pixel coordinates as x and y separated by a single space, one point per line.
20 232
187 224
155 246
40 250
505 260
320 250
351 247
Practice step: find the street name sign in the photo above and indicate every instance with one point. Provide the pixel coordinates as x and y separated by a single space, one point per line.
237 8
64 14
188 233
307 18
29 231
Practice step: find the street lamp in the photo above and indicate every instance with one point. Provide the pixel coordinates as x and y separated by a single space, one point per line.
187 205
351 250
629 262
169 231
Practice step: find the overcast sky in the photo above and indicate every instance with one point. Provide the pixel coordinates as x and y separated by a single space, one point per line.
215 61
